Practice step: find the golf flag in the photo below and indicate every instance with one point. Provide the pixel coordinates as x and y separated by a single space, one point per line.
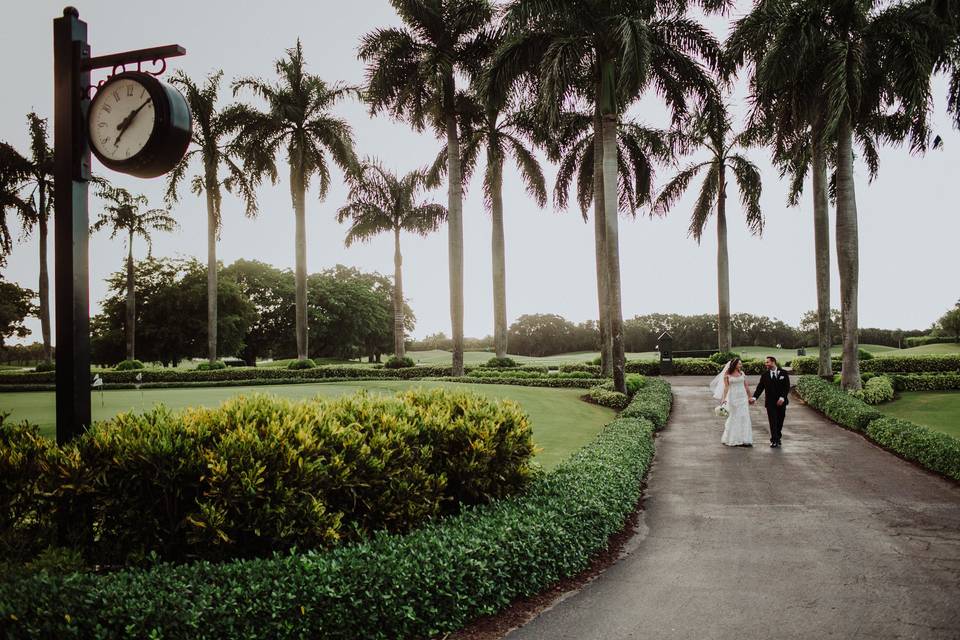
97 381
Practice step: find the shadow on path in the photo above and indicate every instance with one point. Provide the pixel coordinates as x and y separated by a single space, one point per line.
827 537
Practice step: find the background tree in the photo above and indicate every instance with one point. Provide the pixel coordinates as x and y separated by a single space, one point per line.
711 129
298 121
213 148
16 304
26 187
123 216
380 202
411 74
810 327
271 291
950 323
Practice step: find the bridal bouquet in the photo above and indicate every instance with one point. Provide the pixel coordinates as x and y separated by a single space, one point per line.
722 411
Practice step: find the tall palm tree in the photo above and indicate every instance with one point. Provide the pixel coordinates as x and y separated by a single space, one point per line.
411 74
213 129
712 130
496 131
380 202
607 53
124 215
298 120
27 189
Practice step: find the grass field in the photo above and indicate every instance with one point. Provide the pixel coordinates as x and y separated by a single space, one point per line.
931 349
938 410
562 423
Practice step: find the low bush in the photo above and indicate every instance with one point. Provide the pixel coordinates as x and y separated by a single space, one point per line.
652 401
301 365
551 381
592 369
399 363
863 354
913 364
836 404
644 367
926 381
922 341
607 398
529 375
877 390
723 357
262 474
424 584
128 365
934 450
216 365
46 367
501 363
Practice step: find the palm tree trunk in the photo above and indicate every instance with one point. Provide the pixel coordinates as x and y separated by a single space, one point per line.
600 246
212 285
821 236
455 236
615 313
44 284
398 345
131 301
724 333
848 257
300 271
499 264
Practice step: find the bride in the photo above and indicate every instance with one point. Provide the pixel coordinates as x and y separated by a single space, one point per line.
732 390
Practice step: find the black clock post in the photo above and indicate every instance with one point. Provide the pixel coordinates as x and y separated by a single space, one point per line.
72 65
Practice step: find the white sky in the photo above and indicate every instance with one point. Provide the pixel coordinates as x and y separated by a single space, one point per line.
908 226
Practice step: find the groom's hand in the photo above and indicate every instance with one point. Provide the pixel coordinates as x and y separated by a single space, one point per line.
753 401
780 402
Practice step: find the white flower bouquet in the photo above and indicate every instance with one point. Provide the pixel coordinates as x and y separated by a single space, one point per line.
722 411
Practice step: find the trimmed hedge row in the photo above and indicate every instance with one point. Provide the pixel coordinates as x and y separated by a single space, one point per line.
808 365
608 398
877 390
931 449
922 341
926 381
546 381
652 402
691 367
426 583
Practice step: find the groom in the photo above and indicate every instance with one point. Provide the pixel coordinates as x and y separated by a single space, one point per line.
776 383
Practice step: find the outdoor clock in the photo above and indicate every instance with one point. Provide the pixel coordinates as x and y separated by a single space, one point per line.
139 125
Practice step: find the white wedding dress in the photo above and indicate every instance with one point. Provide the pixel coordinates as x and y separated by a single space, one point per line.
738 430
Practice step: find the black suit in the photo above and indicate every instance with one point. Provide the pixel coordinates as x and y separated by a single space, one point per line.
776 387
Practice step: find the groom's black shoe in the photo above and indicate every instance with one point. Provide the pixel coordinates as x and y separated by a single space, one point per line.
774 445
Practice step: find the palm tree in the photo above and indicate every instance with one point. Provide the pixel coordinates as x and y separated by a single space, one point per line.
497 132
124 216
297 119
380 202
411 74
212 146
606 53
712 130
27 189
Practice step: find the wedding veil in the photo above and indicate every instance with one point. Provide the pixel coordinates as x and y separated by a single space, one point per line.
716 385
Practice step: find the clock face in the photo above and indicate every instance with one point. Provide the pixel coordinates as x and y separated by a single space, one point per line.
122 117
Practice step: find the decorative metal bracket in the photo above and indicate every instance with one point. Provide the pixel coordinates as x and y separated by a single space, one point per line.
117 62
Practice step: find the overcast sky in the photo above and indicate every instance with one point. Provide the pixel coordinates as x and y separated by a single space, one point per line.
908 218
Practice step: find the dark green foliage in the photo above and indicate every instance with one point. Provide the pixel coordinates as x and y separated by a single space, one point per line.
863 354
424 584
877 390
836 403
593 369
300 365
652 401
552 381
934 450
261 474
528 375
722 358
16 303
399 363
216 365
889 364
922 341
608 398
128 365
46 367
926 381
501 363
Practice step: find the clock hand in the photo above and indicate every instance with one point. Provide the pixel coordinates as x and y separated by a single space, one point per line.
126 122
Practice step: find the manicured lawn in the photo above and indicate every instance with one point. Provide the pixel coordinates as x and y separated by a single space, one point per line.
934 349
938 410
562 423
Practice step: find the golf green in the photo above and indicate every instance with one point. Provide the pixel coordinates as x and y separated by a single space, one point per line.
562 423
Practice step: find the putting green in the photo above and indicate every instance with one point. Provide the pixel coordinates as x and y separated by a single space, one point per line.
562 423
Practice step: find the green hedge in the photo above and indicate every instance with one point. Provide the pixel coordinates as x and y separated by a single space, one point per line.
301 365
399 363
922 341
877 390
528 375
807 365
424 584
585 367
836 404
934 450
926 381
262 474
652 401
128 365
608 398
555 382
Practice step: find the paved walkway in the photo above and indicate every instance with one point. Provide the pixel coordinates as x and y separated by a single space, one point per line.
828 537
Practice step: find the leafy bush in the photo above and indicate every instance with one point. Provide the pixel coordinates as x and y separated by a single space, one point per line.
552 381
25 469
528 375
399 363
424 584
608 398
878 389
863 354
889 364
301 365
922 341
262 474
216 365
652 401
45 367
723 357
926 381
836 404
592 369
645 367
501 363
934 450
597 361
128 365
